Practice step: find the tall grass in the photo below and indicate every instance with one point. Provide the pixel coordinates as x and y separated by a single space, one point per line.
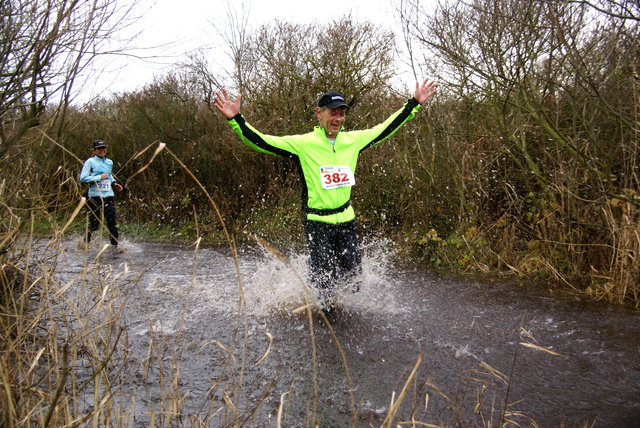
61 342
67 357
68 360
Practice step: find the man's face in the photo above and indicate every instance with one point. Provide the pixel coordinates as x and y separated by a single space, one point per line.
331 119
100 152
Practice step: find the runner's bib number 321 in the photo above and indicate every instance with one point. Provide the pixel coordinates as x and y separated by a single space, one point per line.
334 176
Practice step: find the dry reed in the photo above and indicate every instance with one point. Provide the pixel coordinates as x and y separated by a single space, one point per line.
67 360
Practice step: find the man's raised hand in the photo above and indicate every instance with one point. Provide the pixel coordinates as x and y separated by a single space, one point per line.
424 90
224 104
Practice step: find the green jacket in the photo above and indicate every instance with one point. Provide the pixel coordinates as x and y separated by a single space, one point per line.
326 191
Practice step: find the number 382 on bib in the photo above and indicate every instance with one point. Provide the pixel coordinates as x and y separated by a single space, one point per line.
334 176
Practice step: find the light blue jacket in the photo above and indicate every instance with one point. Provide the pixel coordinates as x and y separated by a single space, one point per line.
91 173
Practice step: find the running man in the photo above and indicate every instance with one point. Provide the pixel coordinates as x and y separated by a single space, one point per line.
327 157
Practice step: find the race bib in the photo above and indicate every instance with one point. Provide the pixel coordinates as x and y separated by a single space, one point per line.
334 176
104 185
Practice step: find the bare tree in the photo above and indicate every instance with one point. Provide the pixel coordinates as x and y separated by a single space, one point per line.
522 58
46 46
620 9
546 93
352 57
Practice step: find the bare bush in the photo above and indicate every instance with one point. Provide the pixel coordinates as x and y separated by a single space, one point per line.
548 104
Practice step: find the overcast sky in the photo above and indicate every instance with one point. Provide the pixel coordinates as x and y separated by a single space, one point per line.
171 28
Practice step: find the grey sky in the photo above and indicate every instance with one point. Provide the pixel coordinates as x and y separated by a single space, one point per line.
169 29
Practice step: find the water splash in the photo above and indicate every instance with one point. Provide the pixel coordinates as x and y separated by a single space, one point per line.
278 286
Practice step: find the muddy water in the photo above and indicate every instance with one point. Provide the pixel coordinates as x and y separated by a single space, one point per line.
482 347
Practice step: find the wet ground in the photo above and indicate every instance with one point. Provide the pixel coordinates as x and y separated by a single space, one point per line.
483 352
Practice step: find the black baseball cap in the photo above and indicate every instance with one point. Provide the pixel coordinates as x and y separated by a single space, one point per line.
332 100
99 144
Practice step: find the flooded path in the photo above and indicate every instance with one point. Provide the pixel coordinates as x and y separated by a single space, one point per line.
470 353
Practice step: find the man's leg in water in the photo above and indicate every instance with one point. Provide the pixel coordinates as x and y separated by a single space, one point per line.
349 259
319 238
